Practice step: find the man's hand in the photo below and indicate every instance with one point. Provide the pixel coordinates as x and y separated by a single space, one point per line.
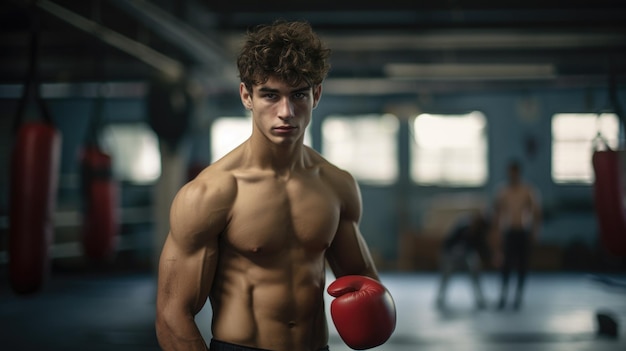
364 312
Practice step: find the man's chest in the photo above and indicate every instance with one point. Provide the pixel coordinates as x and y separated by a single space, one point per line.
271 215
516 200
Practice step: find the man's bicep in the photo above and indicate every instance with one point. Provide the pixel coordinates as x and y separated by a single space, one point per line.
189 256
197 213
185 276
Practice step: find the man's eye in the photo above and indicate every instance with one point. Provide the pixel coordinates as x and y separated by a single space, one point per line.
299 96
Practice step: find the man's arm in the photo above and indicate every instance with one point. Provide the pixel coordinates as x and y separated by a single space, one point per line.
535 205
187 265
496 231
363 310
349 253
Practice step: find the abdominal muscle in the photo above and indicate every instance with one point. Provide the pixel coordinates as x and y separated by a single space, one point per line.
270 303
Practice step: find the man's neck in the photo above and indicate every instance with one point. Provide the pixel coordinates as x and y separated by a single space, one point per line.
282 159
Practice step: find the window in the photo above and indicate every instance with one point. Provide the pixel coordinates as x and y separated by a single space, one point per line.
364 145
228 132
449 150
572 138
134 149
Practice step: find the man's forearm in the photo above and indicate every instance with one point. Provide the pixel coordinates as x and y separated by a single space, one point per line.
182 334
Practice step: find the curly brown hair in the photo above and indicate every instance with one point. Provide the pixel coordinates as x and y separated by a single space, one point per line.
290 51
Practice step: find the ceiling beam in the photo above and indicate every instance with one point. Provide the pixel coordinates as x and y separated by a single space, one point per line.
171 68
207 53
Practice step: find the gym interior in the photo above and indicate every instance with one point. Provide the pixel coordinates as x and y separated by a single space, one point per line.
425 104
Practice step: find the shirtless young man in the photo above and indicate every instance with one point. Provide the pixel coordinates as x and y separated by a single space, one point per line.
253 232
517 224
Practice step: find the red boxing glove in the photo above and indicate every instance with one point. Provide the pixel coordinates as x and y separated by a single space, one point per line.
363 312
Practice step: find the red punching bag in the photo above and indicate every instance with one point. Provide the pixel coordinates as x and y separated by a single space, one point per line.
33 186
100 198
34 180
607 193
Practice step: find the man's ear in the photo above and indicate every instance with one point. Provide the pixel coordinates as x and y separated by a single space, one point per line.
317 95
246 96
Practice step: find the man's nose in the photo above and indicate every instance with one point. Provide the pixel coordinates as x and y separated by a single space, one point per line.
285 109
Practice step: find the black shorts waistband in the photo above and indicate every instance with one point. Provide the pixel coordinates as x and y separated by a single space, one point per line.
217 345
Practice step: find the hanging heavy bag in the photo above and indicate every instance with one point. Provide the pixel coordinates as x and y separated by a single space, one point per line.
100 199
34 180
607 194
35 161
608 187
99 190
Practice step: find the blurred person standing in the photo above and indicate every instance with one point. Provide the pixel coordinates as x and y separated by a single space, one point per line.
517 220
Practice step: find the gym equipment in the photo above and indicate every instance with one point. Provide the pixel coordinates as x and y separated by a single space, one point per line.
99 189
607 196
34 180
169 111
100 198
100 193
35 161
363 311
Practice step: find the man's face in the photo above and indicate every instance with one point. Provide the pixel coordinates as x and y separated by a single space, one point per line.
281 112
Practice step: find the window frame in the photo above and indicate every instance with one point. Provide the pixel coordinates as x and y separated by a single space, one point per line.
444 179
588 140
391 162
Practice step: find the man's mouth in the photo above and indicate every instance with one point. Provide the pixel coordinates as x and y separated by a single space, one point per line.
284 128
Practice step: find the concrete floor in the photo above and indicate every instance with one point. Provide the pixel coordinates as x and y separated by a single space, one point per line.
115 311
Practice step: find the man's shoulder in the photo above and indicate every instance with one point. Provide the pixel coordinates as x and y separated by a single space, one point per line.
340 178
213 184
222 172
326 167
201 207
